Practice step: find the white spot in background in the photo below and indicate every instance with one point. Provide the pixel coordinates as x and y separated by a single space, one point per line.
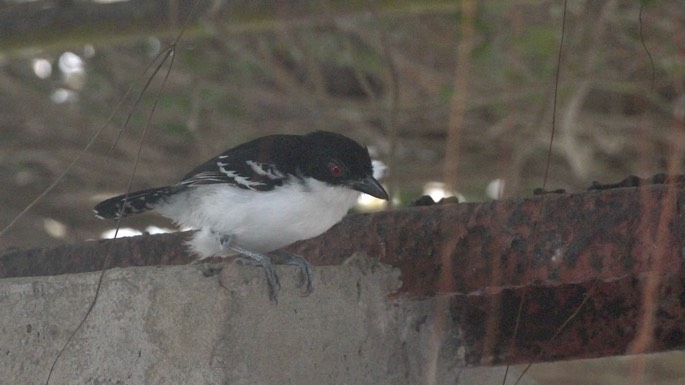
73 71
42 68
123 232
379 169
131 232
158 230
54 228
154 46
63 95
373 151
495 189
438 190
367 202
88 51
69 63
435 190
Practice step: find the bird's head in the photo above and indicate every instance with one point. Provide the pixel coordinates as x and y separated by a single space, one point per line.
340 161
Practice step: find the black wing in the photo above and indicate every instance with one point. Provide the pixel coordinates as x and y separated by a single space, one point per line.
259 165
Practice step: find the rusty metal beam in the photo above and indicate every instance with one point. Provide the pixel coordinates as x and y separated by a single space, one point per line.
556 251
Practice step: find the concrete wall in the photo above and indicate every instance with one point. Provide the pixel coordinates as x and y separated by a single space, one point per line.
173 325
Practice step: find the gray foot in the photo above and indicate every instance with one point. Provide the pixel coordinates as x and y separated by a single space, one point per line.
255 259
285 258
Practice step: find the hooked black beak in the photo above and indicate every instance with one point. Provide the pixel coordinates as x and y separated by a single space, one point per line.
370 185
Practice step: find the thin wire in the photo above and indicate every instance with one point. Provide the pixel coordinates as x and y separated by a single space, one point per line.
170 52
116 231
561 328
72 164
644 46
135 104
556 95
547 164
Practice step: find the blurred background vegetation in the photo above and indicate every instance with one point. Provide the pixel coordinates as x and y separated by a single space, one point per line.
456 92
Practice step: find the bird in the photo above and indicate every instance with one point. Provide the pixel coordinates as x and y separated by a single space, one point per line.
260 196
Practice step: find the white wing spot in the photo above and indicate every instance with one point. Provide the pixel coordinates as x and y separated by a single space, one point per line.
266 170
237 178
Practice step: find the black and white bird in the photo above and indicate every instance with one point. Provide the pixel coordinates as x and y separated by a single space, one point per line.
261 196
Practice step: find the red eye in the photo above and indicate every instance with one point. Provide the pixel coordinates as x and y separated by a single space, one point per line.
336 170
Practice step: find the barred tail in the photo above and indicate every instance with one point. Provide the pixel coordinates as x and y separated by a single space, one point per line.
132 203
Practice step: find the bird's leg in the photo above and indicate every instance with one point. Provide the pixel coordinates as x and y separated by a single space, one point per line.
256 259
286 258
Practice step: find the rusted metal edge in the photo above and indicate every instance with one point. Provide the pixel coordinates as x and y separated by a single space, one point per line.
555 249
569 321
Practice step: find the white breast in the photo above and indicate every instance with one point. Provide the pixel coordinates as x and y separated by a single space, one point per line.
260 221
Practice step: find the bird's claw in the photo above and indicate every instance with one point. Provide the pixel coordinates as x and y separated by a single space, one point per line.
306 268
282 258
269 272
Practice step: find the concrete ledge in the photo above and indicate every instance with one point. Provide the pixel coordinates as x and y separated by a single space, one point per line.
173 325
